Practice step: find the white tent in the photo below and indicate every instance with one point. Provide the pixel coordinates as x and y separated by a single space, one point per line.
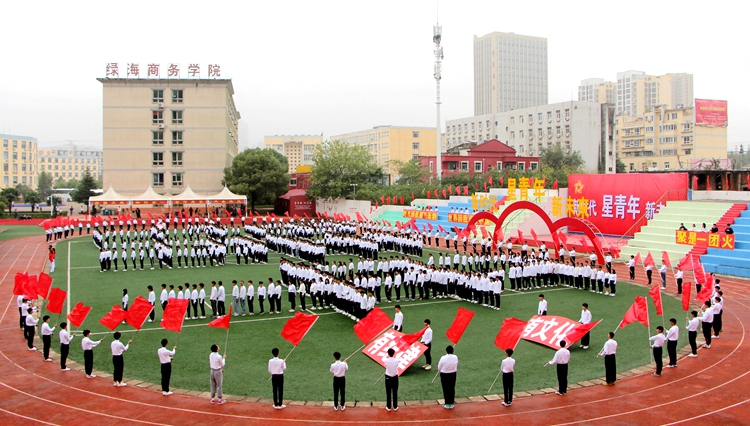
149 197
110 197
188 197
227 197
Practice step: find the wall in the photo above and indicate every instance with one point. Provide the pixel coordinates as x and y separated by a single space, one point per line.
738 196
341 205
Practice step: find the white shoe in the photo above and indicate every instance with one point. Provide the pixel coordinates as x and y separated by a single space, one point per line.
693 355
32 349
90 376
167 393
343 407
65 369
335 408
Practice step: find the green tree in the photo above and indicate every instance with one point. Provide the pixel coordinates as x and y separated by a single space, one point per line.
10 195
3 205
84 190
23 189
33 198
258 174
556 165
44 186
411 172
62 183
337 165
620 167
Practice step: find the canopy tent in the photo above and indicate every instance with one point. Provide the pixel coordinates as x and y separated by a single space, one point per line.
149 197
109 198
188 197
227 197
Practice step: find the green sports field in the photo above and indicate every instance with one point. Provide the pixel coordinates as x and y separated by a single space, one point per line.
251 338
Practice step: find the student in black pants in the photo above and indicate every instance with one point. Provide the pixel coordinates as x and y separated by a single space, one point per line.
165 358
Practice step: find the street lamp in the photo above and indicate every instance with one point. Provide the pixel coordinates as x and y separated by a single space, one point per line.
354 185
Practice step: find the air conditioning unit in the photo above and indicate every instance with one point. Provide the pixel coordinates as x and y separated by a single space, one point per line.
567 134
161 105
567 118
531 137
559 134
541 135
161 126
549 136
558 118
549 120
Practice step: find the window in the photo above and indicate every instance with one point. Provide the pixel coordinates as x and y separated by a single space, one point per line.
567 114
415 145
23 156
177 179
176 117
157 158
685 127
23 180
415 134
176 159
687 139
15 156
6 167
177 96
567 129
499 165
666 164
688 151
157 179
177 137
15 144
465 166
23 144
512 135
415 156
512 121
520 133
477 166
549 115
15 168
632 167
432 167
521 166
158 117
557 114
5 143
540 117
533 166
157 95
158 138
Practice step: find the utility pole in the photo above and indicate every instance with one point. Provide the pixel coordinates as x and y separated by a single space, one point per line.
437 32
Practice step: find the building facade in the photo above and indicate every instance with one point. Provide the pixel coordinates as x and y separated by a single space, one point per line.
168 133
298 149
597 90
585 127
636 93
389 143
480 157
70 161
668 139
510 72
19 161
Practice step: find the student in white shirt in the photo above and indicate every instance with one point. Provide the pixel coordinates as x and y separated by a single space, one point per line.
561 358
398 319
427 341
692 328
339 368
507 367
608 352
165 359
250 297
585 319
47 337
542 309
707 320
88 346
65 339
673 335
276 369
447 366
31 323
391 381
657 347
217 362
118 349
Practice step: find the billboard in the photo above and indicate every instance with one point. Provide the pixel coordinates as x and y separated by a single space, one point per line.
615 202
710 112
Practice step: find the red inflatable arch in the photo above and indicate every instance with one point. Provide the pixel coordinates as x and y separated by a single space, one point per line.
552 226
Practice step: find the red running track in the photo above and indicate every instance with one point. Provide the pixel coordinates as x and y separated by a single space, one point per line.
713 388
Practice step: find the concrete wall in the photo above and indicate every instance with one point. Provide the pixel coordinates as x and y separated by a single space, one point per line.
738 196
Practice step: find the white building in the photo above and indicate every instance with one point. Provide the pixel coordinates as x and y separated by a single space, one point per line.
586 127
510 72
70 161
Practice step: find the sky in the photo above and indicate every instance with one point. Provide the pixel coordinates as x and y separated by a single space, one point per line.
332 67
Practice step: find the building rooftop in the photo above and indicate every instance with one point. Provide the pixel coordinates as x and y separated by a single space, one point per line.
4 136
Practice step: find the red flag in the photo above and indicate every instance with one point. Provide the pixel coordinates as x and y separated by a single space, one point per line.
531 182
174 314
490 180
428 194
685 263
31 288
554 184
436 193
138 312
638 258
56 300
698 272
113 318
222 322
708 183
510 333
450 189
577 333
325 214
686 289
502 182
412 196
402 200
460 322
485 234
43 284
705 294
429 225
520 236
286 213
20 280
388 200
444 194
370 327
441 229
665 259
296 328
476 186
562 238
695 182
649 260
485 187
585 244
404 341
78 314
655 294
638 311
533 235
466 190
382 199
424 228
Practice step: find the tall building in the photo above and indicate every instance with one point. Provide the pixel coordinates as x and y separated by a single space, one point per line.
636 93
298 149
597 90
70 161
510 72
19 161
668 139
168 133
388 143
586 127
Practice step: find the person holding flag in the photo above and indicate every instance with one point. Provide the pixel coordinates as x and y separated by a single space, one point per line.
165 359
65 339
692 328
427 341
118 349
585 319
47 337
507 367
217 362
448 366
88 346
707 320
673 335
391 381
631 268
610 365
276 369
30 329
561 358
657 347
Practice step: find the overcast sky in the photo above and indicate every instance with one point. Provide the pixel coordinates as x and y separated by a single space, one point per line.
303 67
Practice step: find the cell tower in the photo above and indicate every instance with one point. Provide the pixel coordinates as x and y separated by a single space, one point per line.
437 32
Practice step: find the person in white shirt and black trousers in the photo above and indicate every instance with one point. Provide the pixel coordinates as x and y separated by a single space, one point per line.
692 328
561 358
118 349
447 367
658 342
673 335
391 381
276 369
339 368
507 367
165 358
427 341
30 329
47 337
610 364
65 339
542 309
88 346
585 319
707 320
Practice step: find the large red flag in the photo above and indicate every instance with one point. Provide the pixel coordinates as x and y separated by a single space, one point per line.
502 182
222 322
655 294
490 180
685 263
686 289
665 259
31 288
56 300
174 314
485 234
429 225
638 258
372 325
704 294
44 282
113 318
649 260
485 187
585 244
698 272
577 333
296 328
428 194
510 333
520 237
441 229
638 311
402 200
533 235
404 341
78 315
138 312
444 194
457 328
708 183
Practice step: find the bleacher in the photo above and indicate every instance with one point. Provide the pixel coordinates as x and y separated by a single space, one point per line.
732 262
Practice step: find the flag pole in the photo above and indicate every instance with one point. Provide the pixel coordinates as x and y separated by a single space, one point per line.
648 333
381 376
373 339
438 373
287 356
497 377
226 342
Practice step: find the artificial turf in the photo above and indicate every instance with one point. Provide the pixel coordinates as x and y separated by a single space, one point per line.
251 338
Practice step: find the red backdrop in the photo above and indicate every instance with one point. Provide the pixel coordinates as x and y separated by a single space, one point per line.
710 112
617 201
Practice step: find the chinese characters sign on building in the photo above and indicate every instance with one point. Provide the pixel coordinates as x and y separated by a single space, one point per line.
150 70
464 218
705 239
709 112
420 214
377 350
615 202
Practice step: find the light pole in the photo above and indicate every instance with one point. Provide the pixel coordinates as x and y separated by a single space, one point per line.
437 33
354 185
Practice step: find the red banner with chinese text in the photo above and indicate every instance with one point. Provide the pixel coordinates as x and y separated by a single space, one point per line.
464 218
549 330
705 239
420 214
377 350
615 202
710 112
